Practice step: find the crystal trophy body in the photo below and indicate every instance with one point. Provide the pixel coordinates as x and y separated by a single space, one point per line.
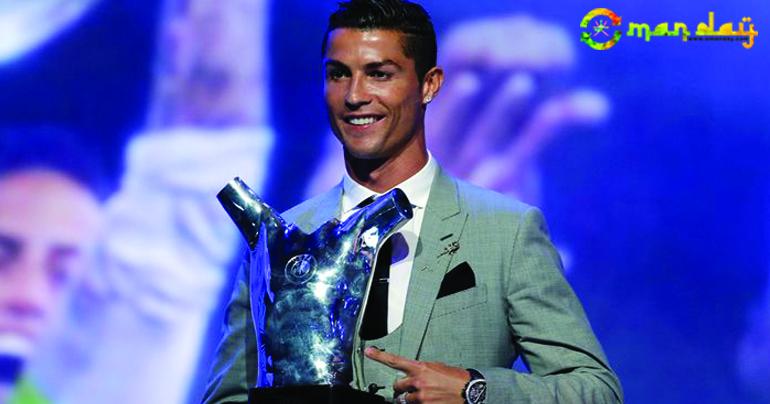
307 291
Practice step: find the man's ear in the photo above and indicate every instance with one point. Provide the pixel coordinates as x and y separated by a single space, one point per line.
431 84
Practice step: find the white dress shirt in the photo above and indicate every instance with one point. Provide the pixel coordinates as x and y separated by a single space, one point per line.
417 189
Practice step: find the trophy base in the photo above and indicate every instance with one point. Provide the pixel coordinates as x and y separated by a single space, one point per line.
324 394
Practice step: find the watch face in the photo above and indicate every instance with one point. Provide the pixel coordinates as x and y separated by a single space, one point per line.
477 392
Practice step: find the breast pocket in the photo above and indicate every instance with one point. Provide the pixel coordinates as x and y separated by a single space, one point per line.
460 301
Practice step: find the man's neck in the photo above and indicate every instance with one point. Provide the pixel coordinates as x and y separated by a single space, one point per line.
380 175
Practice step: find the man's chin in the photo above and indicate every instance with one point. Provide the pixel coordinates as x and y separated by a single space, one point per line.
360 154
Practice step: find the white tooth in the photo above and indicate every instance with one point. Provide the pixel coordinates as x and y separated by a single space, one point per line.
362 121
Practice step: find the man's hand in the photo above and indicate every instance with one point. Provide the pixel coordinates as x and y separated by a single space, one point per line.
425 382
212 67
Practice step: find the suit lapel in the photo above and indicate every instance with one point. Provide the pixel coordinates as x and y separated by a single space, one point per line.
439 236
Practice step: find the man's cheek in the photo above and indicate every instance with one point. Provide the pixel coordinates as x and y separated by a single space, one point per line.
329 100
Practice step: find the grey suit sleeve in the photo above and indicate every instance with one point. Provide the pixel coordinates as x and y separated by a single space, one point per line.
551 331
234 369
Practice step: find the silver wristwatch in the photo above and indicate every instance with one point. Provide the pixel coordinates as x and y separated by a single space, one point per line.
475 391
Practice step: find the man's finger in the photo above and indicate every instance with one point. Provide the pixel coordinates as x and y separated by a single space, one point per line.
512 170
404 384
392 361
552 116
496 120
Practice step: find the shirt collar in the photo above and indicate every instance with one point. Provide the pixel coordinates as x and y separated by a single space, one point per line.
416 187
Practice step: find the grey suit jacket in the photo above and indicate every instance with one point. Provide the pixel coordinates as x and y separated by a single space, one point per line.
521 305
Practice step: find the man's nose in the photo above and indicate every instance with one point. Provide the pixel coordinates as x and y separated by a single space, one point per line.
357 95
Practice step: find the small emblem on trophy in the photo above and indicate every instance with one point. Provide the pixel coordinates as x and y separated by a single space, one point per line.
300 269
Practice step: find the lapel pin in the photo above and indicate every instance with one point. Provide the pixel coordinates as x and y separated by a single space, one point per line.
450 249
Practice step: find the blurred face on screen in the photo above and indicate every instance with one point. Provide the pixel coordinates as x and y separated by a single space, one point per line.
372 93
48 229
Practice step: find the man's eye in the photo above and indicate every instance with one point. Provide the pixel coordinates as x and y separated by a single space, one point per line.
61 271
379 74
60 275
335 74
9 250
6 257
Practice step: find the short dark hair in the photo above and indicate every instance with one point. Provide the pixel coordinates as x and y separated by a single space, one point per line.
398 15
55 149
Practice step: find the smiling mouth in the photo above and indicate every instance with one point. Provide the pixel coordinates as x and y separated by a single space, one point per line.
362 120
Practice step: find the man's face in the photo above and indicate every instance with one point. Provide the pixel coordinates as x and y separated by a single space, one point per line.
372 92
48 230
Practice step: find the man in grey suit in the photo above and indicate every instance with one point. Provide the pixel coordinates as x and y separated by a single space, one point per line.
473 281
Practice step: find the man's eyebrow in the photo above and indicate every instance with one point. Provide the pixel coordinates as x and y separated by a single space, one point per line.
369 66
383 63
334 63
